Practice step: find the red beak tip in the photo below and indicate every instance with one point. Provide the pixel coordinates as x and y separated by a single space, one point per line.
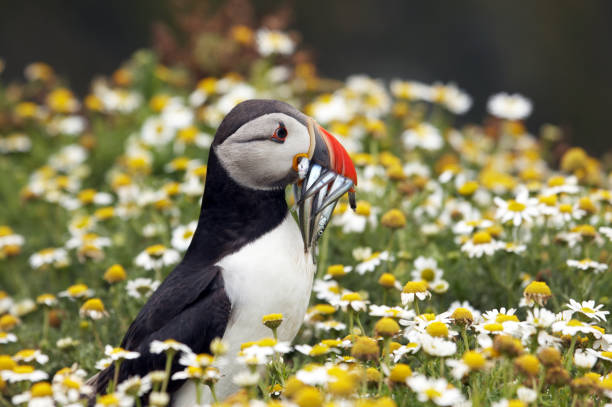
341 161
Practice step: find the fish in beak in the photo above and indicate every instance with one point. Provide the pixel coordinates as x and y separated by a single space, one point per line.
326 173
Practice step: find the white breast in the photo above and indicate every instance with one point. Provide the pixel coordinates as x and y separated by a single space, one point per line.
270 275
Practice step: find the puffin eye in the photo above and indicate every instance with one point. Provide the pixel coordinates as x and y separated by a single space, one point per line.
280 134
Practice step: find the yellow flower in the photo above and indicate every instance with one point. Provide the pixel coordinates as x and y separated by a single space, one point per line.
399 373
158 102
62 100
93 308
336 271
437 329
8 322
363 208
386 327
41 389
365 348
474 360
468 188
387 280
242 34
549 356
115 274
462 316
393 219
308 397
537 291
527 364
272 321
574 158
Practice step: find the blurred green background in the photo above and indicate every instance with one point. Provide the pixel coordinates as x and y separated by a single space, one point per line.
557 52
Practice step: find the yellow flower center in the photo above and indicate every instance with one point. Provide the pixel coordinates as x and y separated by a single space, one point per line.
481 238
574 322
319 349
556 181
494 327
413 287
587 310
180 163
5 231
351 297
115 273
606 354
71 383
87 196
108 400
474 360
105 213
515 206
324 309
156 250
565 208
538 287
272 318
400 373
501 318
468 188
432 394
387 280
438 329
158 102
23 369
188 135
336 270
76 290
25 354
428 274
42 389
94 304
6 362
363 208
462 314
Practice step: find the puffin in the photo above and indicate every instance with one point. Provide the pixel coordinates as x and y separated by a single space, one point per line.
251 255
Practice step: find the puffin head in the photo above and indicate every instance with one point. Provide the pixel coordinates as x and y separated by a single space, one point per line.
261 143
266 145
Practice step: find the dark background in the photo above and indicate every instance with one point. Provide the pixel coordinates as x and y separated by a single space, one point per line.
557 52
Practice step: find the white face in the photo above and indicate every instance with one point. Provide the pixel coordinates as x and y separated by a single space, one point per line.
256 159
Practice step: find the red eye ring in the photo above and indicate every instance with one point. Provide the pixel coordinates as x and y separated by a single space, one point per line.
280 134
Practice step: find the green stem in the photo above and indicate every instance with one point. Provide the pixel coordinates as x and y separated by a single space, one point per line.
169 356
198 387
115 376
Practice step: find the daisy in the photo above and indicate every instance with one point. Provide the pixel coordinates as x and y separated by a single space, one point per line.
561 185
606 231
57 257
273 42
135 386
156 257
424 136
438 391
573 326
588 264
168 344
39 395
481 244
352 300
182 235
391 312
7 337
373 261
93 308
141 287
30 355
520 210
21 373
437 346
411 90
471 361
414 290
510 107
119 353
77 291
426 269
588 309
585 359
156 133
